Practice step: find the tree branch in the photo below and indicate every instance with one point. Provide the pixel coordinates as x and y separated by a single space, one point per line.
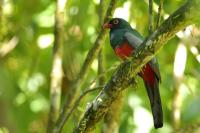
76 85
56 72
181 18
150 16
101 68
101 64
97 45
79 99
159 13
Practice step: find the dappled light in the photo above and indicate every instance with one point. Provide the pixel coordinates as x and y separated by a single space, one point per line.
44 41
123 12
141 116
180 60
46 17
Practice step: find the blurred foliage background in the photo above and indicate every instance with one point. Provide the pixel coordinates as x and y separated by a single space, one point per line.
26 42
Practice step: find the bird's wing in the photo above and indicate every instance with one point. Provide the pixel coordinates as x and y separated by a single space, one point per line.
132 39
135 41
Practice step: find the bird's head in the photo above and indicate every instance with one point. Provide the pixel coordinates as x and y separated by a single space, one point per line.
116 23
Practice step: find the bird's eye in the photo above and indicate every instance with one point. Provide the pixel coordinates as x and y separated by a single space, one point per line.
116 21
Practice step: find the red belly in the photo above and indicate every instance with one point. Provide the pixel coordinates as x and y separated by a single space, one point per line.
126 50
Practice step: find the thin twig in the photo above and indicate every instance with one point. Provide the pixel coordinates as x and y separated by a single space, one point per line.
150 16
101 59
87 91
101 67
78 101
81 97
103 74
101 12
93 52
159 13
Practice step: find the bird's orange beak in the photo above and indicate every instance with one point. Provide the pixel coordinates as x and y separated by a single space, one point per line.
107 26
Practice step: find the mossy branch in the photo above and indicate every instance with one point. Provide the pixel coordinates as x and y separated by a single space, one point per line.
120 80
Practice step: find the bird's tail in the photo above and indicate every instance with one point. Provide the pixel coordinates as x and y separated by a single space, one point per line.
155 101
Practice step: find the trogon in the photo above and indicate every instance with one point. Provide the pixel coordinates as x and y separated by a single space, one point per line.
124 40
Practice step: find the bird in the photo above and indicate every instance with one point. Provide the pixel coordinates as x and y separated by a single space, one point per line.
124 40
